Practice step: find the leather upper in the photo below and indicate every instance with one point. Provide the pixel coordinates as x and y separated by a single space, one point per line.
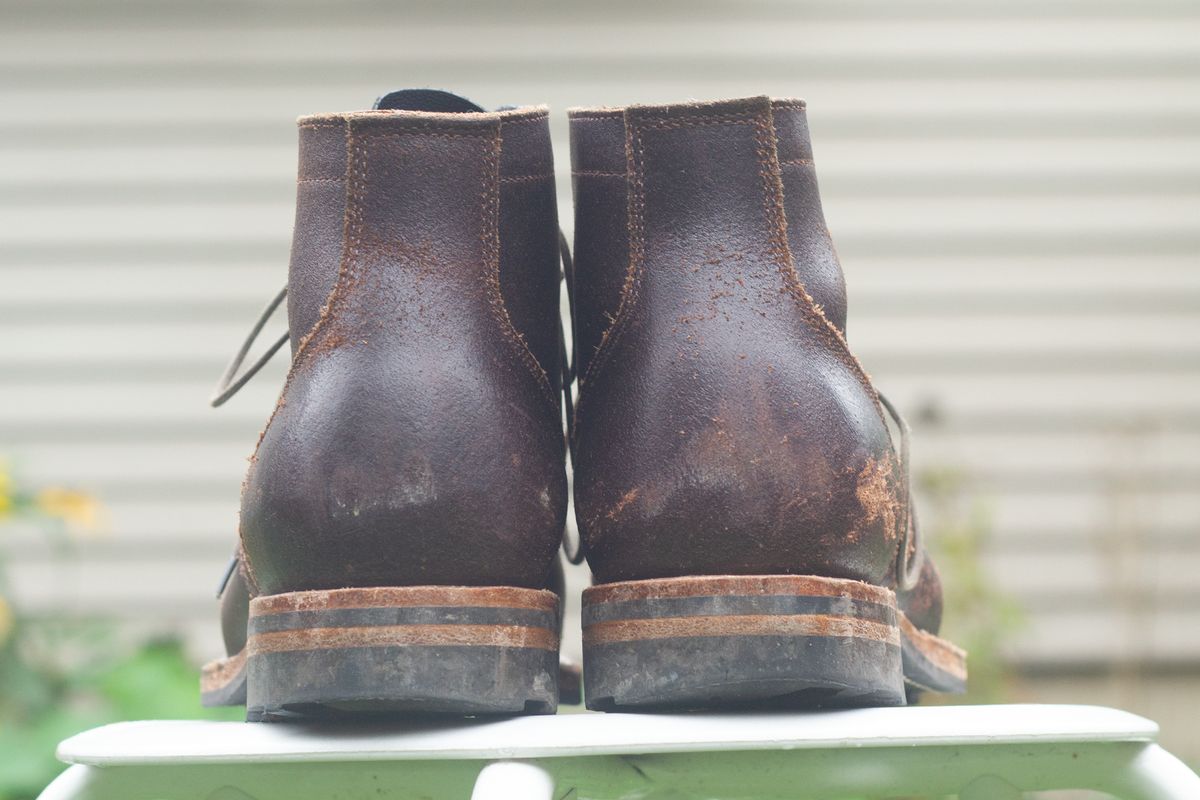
722 425
418 437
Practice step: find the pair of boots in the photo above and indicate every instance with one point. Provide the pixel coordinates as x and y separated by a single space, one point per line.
740 498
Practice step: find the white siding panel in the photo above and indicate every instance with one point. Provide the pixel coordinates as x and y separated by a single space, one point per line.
874 339
1014 189
1153 404
1002 42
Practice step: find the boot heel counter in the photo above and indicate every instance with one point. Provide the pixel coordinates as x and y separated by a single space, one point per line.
346 493
739 492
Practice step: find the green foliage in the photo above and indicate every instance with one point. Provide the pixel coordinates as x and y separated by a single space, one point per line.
979 617
61 676
43 702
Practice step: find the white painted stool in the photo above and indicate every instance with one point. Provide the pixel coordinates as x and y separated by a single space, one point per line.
976 752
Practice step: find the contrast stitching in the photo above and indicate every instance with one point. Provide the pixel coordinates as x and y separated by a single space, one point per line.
598 116
535 117
417 130
797 162
630 290
775 216
526 178
591 173
490 240
320 180
687 120
356 161
773 205
635 154
351 228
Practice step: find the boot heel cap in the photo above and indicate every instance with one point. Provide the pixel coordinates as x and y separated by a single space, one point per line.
777 641
403 650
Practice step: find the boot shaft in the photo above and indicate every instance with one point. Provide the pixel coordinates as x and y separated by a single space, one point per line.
417 439
607 151
448 179
723 425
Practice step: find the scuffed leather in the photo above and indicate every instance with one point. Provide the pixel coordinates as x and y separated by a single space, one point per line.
320 215
723 426
923 603
418 437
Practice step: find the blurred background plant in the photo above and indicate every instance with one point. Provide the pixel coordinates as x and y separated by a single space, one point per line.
61 675
979 616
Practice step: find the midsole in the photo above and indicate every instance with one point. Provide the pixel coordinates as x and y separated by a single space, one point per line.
414 616
742 625
216 675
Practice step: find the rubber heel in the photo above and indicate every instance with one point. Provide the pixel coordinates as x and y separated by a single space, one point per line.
405 650
777 641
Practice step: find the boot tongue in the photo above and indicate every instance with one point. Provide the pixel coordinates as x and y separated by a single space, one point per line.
425 100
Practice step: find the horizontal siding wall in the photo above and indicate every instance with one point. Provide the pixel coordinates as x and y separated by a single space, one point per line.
1014 188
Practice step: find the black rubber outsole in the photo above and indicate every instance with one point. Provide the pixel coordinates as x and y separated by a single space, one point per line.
411 651
779 642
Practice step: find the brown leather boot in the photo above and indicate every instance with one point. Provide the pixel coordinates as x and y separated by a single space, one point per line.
738 492
401 515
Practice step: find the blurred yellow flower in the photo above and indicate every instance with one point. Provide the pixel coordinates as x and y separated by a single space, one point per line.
6 501
79 510
6 620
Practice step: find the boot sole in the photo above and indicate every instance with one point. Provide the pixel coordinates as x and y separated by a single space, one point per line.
223 682
440 650
778 641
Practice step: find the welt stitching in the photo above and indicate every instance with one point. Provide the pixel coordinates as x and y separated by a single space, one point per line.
490 240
